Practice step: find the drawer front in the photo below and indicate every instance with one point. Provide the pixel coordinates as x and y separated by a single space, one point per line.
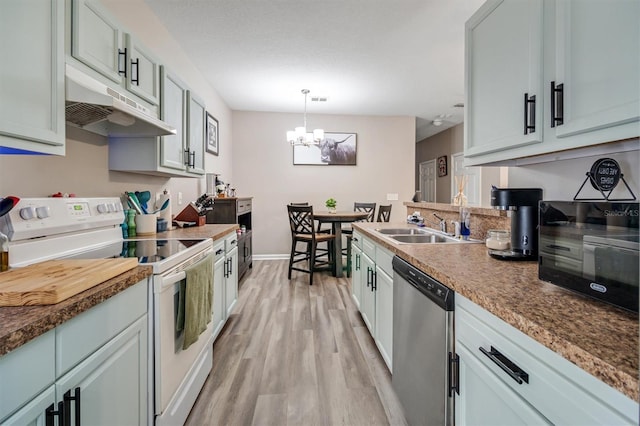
561 391
369 247
25 372
244 206
231 242
383 260
218 250
356 239
81 336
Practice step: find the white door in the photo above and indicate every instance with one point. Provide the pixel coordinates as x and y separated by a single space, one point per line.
472 176
428 181
368 301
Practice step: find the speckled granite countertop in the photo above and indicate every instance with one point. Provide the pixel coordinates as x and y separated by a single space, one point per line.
18 325
600 339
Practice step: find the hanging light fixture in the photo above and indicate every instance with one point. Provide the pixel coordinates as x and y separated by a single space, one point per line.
299 136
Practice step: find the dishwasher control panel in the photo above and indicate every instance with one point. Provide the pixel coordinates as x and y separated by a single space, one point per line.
433 289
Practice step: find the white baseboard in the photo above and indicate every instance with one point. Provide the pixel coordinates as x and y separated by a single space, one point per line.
284 256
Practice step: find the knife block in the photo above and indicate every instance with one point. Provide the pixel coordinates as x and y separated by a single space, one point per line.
190 214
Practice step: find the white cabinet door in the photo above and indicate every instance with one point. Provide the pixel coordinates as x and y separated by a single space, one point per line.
231 280
219 310
597 61
172 110
96 39
34 413
384 316
356 274
368 301
484 399
195 133
504 76
32 76
143 72
112 382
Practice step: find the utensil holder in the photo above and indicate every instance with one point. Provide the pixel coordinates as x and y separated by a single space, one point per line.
146 224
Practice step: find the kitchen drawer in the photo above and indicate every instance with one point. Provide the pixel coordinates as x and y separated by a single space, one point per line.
231 241
383 260
25 372
560 390
244 206
218 249
356 239
369 248
84 334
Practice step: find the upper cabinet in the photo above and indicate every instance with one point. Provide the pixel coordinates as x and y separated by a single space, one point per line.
98 41
179 155
552 75
32 76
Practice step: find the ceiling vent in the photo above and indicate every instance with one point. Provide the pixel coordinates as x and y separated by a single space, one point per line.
319 99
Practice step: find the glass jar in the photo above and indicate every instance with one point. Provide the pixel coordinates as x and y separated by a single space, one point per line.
498 239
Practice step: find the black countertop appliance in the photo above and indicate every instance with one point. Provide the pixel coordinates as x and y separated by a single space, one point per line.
523 204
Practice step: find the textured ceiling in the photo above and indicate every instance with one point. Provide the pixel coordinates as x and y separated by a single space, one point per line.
368 57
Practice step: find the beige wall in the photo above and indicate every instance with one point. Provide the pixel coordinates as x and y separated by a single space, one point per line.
263 168
84 169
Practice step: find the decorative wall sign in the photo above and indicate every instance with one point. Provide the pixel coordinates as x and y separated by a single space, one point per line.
212 135
335 149
605 174
442 166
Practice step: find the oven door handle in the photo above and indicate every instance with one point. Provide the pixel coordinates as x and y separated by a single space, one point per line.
169 280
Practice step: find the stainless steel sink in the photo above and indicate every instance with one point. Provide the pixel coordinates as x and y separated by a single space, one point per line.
422 239
402 231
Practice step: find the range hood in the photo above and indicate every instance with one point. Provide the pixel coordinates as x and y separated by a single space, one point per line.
95 107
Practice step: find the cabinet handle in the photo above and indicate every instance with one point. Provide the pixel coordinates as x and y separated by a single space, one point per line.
192 159
185 159
357 262
67 406
122 69
50 413
515 372
557 104
137 64
454 373
368 276
226 268
219 251
374 280
529 113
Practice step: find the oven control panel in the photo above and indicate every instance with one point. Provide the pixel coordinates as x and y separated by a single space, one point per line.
43 217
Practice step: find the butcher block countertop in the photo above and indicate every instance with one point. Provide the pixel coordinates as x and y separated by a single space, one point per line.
19 325
599 338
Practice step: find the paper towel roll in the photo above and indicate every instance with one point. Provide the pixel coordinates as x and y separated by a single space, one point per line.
166 213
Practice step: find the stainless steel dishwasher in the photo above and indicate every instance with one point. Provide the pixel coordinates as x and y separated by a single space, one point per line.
422 345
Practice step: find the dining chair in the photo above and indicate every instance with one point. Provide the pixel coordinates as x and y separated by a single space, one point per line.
384 213
303 231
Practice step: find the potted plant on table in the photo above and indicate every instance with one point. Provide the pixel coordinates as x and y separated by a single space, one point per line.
331 205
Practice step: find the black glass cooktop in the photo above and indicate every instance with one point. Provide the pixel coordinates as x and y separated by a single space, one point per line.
147 251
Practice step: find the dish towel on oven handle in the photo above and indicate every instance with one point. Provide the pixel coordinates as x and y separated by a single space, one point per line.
197 294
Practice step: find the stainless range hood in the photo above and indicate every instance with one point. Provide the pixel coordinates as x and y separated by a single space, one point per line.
95 107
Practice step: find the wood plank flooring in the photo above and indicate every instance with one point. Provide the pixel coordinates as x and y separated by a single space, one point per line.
294 354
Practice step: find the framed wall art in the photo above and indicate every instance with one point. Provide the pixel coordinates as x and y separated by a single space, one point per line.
336 149
442 166
212 135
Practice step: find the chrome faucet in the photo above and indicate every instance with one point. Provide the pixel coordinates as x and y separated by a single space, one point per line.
443 223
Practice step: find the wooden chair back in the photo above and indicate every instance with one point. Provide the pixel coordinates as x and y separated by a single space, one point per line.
384 213
301 219
369 208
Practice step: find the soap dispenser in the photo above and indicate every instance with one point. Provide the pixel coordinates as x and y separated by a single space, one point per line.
465 223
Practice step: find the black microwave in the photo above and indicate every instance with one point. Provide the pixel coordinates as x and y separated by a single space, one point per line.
591 248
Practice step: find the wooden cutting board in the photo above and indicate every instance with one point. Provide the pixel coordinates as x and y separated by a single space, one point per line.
52 281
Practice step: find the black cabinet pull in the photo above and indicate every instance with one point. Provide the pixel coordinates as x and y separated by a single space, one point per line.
67 406
529 114
192 159
185 159
357 262
515 372
219 251
368 276
137 74
557 104
226 268
374 280
454 373
122 64
50 413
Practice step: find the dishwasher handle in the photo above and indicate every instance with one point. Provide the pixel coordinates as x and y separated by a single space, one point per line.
515 372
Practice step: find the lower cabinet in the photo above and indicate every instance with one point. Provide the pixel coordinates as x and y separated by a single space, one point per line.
372 291
506 377
225 280
107 384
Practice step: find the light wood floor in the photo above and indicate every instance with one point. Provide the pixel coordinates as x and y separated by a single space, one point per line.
294 354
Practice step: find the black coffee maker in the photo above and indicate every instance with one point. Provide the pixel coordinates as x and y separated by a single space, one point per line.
523 204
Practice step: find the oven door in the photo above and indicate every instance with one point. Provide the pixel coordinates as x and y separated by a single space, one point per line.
173 365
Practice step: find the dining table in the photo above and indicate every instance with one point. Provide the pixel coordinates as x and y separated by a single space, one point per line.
337 219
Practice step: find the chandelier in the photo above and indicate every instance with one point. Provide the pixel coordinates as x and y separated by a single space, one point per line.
299 136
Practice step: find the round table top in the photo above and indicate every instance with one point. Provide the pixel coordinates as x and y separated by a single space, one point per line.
339 216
